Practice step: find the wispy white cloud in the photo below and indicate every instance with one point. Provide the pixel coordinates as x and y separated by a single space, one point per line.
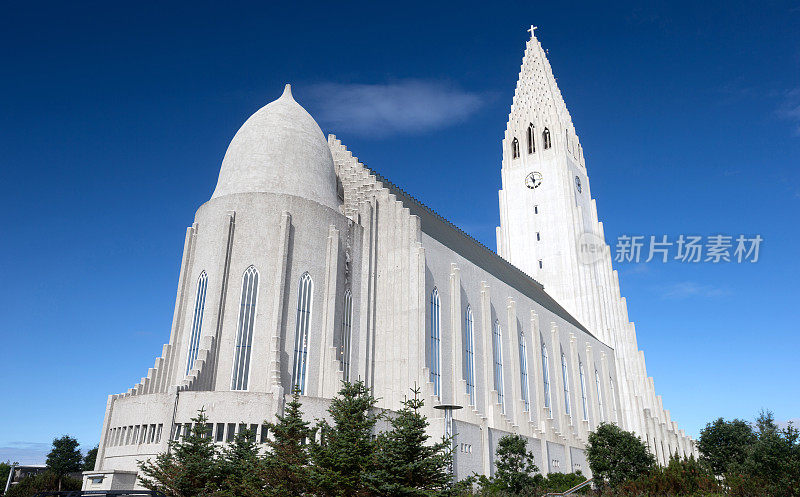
24 452
689 289
402 107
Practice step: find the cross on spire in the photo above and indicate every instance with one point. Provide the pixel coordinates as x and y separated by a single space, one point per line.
532 29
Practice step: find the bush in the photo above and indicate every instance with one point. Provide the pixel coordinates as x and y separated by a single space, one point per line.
561 482
617 456
724 445
43 482
686 477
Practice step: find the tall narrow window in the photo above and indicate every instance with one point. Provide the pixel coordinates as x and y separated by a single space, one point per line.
565 379
197 320
515 148
347 327
599 396
436 343
613 397
244 333
583 390
469 360
304 298
497 343
546 379
531 139
523 371
546 138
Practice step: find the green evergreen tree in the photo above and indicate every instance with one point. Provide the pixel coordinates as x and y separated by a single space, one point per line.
616 456
724 445
90 458
241 468
285 467
5 469
405 464
774 458
190 468
64 458
345 454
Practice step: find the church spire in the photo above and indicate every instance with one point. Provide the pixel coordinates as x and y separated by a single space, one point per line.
537 98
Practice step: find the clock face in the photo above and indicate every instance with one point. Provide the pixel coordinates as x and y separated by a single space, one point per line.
578 184
533 180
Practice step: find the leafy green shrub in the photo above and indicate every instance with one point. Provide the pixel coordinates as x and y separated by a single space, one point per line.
617 456
561 482
681 477
46 481
723 445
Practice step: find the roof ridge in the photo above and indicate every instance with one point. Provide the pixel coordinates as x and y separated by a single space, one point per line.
383 179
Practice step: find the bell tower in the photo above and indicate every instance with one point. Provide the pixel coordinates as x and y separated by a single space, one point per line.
549 228
545 202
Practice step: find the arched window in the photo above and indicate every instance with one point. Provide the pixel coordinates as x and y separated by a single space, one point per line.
436 343
305 296
244 332
515 149
546 379
546 138
347 329
523 370
531 139
599 396
497 343
197 320
565 378
583 389
469 359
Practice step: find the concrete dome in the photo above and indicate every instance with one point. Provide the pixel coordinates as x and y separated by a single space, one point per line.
280 149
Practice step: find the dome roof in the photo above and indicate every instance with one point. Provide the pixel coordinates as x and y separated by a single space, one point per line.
280 149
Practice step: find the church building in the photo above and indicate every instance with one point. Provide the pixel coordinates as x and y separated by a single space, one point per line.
306 268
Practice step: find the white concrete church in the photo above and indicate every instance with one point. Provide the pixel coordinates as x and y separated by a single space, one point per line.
307 268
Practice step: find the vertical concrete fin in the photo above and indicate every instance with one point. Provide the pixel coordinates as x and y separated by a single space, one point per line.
224 271
328 371
276 320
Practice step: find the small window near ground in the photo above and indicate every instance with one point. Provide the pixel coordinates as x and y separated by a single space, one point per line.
264 433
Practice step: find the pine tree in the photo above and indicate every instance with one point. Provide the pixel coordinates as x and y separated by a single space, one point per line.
405 465
64 458
190 468
344 455
285 468
242 468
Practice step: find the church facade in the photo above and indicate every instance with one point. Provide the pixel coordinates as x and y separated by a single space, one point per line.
306 268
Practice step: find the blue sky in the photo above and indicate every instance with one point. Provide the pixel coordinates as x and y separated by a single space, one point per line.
114 121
